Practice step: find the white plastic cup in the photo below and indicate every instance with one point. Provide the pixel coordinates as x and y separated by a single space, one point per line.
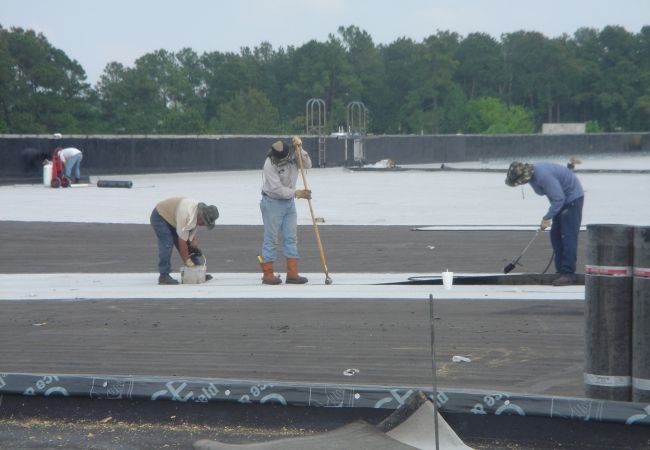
448 279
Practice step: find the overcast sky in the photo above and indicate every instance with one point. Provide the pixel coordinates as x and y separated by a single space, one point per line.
96 33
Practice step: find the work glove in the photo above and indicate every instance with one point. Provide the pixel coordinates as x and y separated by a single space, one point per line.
196 255
303 193
189 262
296 142
546 223
194 251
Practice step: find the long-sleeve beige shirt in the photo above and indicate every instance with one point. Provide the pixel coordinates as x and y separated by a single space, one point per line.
280 181
180 212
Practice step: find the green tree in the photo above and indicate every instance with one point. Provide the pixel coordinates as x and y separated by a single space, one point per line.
224 75
491 116
368 68
271 71
454 111
248 112
402 59
480 66
157 95
593 127
586 52
639 114
619 83
609 79
129 100
600 77
539 71
429 82
321 70
41 89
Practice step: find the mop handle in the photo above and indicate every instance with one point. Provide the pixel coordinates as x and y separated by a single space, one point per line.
311 211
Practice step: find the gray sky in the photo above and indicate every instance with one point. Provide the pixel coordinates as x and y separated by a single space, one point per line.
98 32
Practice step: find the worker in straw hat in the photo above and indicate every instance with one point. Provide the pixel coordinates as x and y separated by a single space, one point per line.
280 175
175 222
566 196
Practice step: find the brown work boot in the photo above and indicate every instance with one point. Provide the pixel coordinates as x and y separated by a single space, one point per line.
269 277
292 272
565 279
165 278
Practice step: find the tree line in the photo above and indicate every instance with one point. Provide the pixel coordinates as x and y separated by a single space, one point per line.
445 84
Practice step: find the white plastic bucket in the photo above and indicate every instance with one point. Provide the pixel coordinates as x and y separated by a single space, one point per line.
47 175
193 275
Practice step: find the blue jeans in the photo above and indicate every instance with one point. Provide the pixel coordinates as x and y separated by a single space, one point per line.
564 236
280 218
73 164
167 240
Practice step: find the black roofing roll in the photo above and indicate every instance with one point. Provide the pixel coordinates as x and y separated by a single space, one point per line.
114 184
608 312
641 316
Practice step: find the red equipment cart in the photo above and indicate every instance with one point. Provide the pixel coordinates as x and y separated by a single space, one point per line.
58 174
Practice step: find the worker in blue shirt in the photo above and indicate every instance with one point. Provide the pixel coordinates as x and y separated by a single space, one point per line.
564 191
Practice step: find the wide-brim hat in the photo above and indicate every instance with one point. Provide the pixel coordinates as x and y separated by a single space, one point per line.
281 148
209 214
519 173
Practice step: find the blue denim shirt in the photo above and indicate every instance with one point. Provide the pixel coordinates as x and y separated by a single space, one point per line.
558 183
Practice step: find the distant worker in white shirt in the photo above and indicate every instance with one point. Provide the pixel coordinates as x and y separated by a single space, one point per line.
71 158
